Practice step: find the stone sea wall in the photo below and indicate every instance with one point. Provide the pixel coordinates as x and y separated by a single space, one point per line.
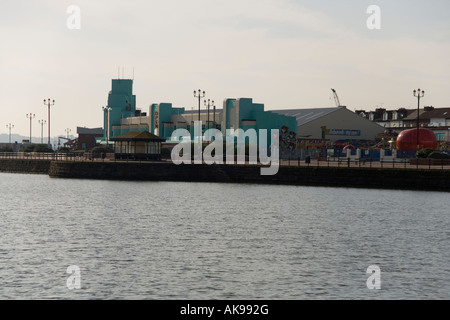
25 166
378 178
382 178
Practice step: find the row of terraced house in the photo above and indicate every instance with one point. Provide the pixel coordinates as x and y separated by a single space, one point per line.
435 119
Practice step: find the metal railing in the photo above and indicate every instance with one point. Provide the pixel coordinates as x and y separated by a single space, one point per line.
299 161
394 163
56 156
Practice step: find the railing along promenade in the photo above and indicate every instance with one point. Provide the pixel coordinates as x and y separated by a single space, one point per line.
342 162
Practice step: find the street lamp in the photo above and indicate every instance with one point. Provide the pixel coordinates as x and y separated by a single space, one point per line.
49 103
214 115
42 122
10 126
208 106
107 109
199 95
68 132
30 116
419 94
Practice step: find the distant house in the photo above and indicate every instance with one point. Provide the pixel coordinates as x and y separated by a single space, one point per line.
138 145
435 119
86 138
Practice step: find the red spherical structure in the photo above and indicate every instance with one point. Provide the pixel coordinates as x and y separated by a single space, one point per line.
407 139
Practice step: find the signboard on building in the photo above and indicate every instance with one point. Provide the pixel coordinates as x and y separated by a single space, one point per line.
156 119
344 132
312 143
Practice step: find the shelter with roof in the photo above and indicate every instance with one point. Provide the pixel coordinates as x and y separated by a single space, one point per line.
138 145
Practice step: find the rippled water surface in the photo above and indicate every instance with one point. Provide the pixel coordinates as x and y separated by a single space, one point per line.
162 240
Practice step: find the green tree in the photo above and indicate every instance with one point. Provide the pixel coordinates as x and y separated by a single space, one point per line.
102 149
63 150
42 148
439 155
29 148
6 149
424 153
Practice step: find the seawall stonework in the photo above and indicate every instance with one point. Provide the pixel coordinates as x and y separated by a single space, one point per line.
378 178
411 179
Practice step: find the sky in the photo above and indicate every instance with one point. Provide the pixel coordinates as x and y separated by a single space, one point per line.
284 53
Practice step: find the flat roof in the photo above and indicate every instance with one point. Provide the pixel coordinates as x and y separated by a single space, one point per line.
83 130
195 111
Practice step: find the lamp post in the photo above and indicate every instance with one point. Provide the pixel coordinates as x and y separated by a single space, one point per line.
10 126
199 95
42 122
208 106
49 103
30 116
214 115
419 94
68 132
107 109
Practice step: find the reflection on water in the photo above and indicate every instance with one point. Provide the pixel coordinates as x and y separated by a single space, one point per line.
162 240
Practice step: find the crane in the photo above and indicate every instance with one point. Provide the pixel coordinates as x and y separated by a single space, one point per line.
336 98
59 140
70 142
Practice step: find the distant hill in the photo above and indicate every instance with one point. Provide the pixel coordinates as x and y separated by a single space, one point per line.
4 138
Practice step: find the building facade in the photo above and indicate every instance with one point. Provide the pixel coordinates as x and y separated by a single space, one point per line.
87 138
121 104
435 119
295 125
333 124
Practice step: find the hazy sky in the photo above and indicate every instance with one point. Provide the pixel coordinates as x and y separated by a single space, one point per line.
283 53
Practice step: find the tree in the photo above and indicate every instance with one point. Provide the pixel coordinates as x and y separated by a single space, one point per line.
102 149
63 150
6 149
42 148
424 153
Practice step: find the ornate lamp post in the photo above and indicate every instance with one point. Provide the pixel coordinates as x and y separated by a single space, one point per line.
199 95
208 106
49 103
30 116
419 94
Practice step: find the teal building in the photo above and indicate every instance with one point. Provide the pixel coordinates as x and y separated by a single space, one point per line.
163 118
236 114
244 114
122 104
